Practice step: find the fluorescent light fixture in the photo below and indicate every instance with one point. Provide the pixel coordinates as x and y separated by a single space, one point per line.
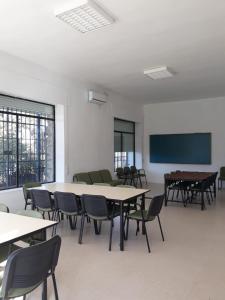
87 16
159 73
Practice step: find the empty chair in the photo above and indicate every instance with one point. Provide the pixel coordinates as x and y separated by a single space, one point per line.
97 208
26 192
127 175
221 178
120 174
26 269
43 202
68 205
134 173
147 216
80 182
141 173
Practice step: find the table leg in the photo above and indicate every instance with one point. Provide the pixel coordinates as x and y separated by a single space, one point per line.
44 288
165 192
202 200
140 181
121 227
143 208
214 188
96 227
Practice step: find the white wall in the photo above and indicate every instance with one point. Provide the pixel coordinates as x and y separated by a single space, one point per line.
205 115
84 131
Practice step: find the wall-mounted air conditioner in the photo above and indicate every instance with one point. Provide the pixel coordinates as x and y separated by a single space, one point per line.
96 98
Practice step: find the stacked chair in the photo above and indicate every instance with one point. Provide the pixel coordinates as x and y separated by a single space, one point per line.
131 176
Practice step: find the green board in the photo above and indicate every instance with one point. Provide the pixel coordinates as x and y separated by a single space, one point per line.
188 148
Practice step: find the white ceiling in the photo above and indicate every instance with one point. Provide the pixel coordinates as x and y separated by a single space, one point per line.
186 35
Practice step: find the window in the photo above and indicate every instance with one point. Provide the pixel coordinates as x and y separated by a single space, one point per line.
124 143
27 142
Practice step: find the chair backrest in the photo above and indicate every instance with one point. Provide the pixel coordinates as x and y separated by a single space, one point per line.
80 182
155 205
133 170
119 172
222 172
106 175
126 170
66 202
29 266
4 208
27 186
41 198
95 176
95 206
82 177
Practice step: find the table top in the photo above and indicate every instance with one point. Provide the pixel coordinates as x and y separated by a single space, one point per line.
113 193
13 227
188 176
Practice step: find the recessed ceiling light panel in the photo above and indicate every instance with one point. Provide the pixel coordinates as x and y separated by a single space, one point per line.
87 16
159 73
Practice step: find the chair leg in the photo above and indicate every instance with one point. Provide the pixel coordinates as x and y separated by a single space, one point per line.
100 227
55 287
72 226
81 229
127 229
138 229
110 235
160 226
146 236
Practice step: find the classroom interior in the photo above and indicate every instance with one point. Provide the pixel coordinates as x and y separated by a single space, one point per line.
119 104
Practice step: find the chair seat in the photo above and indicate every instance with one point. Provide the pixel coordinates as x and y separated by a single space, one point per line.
137 215
46 209
115 212
70 214
14 293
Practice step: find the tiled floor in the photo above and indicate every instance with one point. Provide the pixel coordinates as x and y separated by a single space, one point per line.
189 265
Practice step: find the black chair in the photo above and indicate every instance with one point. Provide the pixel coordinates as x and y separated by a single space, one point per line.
43 202
98 209
221 178
129 178
204 187
147 216
141 173
120 174
67 204
28 268
26 192
135 176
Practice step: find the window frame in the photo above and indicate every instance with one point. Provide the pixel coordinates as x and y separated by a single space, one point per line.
17 115
121 137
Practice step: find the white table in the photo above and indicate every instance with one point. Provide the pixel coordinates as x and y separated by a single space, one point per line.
15 227
116 194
